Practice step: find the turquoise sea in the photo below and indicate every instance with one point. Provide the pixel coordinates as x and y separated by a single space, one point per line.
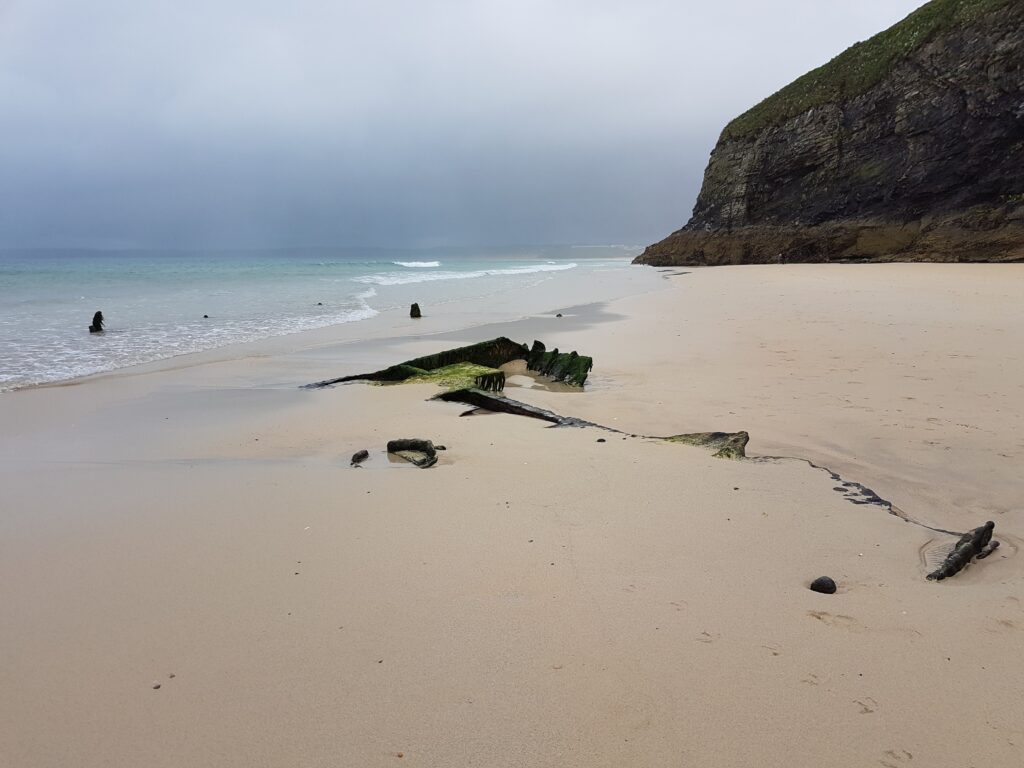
154 302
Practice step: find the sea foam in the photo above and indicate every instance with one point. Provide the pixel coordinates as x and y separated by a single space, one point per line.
406 278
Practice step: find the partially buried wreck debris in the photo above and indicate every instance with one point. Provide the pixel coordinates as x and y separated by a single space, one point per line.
487 401
973 544
726 445
422 453
476 365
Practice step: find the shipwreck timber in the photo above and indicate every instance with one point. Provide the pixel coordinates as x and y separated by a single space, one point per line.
477 365
472 375
973 544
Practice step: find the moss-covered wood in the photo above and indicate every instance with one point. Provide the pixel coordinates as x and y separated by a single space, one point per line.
569 367
457 376
491 354
726 445
472 365
476 365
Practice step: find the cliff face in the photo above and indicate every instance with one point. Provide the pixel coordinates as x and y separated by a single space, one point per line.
907 147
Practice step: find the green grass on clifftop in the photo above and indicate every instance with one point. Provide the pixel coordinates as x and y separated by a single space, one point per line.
860 67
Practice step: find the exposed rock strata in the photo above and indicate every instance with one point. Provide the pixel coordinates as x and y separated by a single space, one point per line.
908 147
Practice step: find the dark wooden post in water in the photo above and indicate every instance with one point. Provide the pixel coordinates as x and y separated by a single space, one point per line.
97 323
414 311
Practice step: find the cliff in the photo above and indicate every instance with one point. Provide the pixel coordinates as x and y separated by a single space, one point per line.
907 147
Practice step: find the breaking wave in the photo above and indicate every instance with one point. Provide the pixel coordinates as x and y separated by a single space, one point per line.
405 278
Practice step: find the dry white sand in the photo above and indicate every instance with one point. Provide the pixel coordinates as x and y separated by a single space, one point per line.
538 598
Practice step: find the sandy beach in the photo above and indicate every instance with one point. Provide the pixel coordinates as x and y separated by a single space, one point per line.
192 575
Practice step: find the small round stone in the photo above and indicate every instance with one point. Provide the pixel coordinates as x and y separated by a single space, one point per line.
823 584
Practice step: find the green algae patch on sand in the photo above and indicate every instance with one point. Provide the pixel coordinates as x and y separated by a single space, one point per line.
726 445
461 376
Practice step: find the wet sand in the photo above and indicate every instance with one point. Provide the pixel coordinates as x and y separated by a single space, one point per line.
537 598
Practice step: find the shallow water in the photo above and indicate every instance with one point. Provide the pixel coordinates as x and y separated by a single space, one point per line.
155 303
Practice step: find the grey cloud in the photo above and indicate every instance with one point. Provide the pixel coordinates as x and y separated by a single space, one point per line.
257 123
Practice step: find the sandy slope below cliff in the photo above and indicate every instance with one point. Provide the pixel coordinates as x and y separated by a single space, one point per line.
538 598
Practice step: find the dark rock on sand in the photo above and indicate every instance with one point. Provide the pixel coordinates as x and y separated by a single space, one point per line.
360 456
907 147
414 311
823 584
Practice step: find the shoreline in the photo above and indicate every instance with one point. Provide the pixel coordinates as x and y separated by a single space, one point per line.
444 315
190 549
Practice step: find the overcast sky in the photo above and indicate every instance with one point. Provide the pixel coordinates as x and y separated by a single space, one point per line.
252 123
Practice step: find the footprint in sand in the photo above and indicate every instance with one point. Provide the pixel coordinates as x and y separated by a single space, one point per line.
707 637
867 705
1001 625
894 758
835 620
811 679
773 649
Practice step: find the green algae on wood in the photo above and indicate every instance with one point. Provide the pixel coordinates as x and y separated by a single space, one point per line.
476 365
486 355
726 445
461 376
569 367
491 354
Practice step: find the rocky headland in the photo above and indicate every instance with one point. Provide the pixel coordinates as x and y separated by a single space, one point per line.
906 147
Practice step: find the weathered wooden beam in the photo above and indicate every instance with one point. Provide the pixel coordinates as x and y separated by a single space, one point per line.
422 453
973 544
569 367
500 404
488 354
